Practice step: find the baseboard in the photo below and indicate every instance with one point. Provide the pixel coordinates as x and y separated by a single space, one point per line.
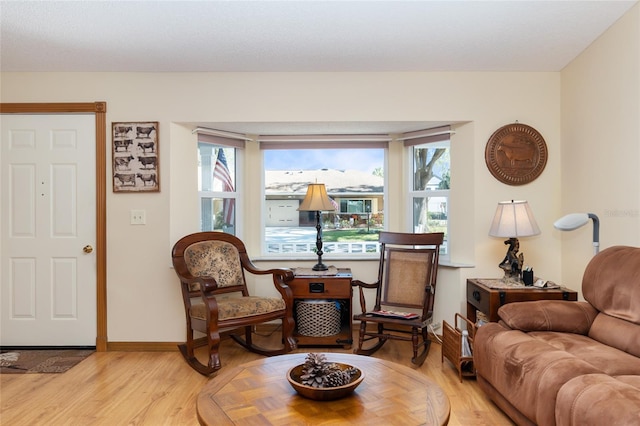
142 346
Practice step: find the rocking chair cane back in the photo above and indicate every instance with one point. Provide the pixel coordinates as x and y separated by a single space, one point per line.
211 267
406 282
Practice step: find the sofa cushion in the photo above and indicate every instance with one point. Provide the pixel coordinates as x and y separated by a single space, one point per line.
605 358
616 332
612 285
528 371
549 315
596 400
630 380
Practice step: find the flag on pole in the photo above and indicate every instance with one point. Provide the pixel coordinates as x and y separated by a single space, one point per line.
221 171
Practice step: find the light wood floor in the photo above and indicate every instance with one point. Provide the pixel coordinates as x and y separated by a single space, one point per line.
159 388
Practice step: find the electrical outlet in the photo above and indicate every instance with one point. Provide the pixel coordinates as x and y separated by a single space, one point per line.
436 326
138 217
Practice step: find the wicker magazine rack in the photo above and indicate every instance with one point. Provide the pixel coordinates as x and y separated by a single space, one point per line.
452 346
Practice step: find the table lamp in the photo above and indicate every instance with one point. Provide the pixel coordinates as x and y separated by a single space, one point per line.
513 219
317 200
576 220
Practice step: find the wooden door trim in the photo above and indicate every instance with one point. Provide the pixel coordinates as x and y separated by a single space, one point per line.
99 109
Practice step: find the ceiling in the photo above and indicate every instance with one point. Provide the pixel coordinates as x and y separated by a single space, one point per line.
300 36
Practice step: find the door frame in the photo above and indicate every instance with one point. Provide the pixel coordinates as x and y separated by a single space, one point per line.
99 109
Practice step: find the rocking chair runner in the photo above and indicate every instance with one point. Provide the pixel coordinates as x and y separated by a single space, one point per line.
406 280
211 267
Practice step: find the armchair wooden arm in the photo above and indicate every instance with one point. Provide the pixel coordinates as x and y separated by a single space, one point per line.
361 286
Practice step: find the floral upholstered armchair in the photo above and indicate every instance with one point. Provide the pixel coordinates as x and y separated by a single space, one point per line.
211 267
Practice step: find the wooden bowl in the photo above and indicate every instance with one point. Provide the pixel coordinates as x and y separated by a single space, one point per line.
323 394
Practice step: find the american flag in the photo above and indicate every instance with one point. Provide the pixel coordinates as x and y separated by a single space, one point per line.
221 171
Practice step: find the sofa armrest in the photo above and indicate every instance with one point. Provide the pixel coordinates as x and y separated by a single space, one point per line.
549 315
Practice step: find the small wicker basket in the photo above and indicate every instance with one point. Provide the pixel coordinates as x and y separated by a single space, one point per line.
318 318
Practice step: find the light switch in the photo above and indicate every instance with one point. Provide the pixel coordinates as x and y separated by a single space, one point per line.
138 217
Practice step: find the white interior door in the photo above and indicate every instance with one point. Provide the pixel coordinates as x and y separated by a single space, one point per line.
48 231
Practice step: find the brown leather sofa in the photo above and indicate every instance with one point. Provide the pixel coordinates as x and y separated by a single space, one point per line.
553 362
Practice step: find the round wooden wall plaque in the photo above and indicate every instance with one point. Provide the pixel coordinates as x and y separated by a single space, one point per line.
516 154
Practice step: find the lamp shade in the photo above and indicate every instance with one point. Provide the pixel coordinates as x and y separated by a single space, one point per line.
316 199
513 219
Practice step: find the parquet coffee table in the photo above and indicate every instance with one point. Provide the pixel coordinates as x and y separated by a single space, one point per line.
258 393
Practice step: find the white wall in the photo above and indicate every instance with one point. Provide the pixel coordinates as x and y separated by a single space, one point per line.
143 296
601 143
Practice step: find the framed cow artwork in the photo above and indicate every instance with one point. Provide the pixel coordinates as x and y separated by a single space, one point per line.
516 154
136 160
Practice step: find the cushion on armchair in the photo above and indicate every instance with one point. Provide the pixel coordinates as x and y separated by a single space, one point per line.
549 315
238 307
216 259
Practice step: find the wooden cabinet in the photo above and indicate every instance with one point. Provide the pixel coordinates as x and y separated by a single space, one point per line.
331 288
482 297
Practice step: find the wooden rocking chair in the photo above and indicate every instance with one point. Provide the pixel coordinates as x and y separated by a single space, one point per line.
211 267
405 292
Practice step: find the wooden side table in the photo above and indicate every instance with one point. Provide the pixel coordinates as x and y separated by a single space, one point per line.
307 286
484 298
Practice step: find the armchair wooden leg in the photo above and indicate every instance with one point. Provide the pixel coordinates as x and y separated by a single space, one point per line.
187 351
214 347
418 359
287 335
414 342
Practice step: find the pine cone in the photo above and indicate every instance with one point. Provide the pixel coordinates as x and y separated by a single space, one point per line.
314 369
339 378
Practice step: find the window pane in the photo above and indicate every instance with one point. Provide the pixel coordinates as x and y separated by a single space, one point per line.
430 214
354 182
429 194
217 214
217 168
216 187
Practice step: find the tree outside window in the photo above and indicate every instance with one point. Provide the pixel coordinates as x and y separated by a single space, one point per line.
430 187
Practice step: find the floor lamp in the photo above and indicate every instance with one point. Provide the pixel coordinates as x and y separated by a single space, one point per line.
317 200
576 220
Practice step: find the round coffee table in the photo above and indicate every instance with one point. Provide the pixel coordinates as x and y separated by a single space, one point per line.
258 393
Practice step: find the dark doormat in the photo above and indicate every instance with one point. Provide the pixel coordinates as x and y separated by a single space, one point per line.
40 361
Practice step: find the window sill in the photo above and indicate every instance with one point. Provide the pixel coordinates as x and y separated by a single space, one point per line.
351 258
449 264
325 258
